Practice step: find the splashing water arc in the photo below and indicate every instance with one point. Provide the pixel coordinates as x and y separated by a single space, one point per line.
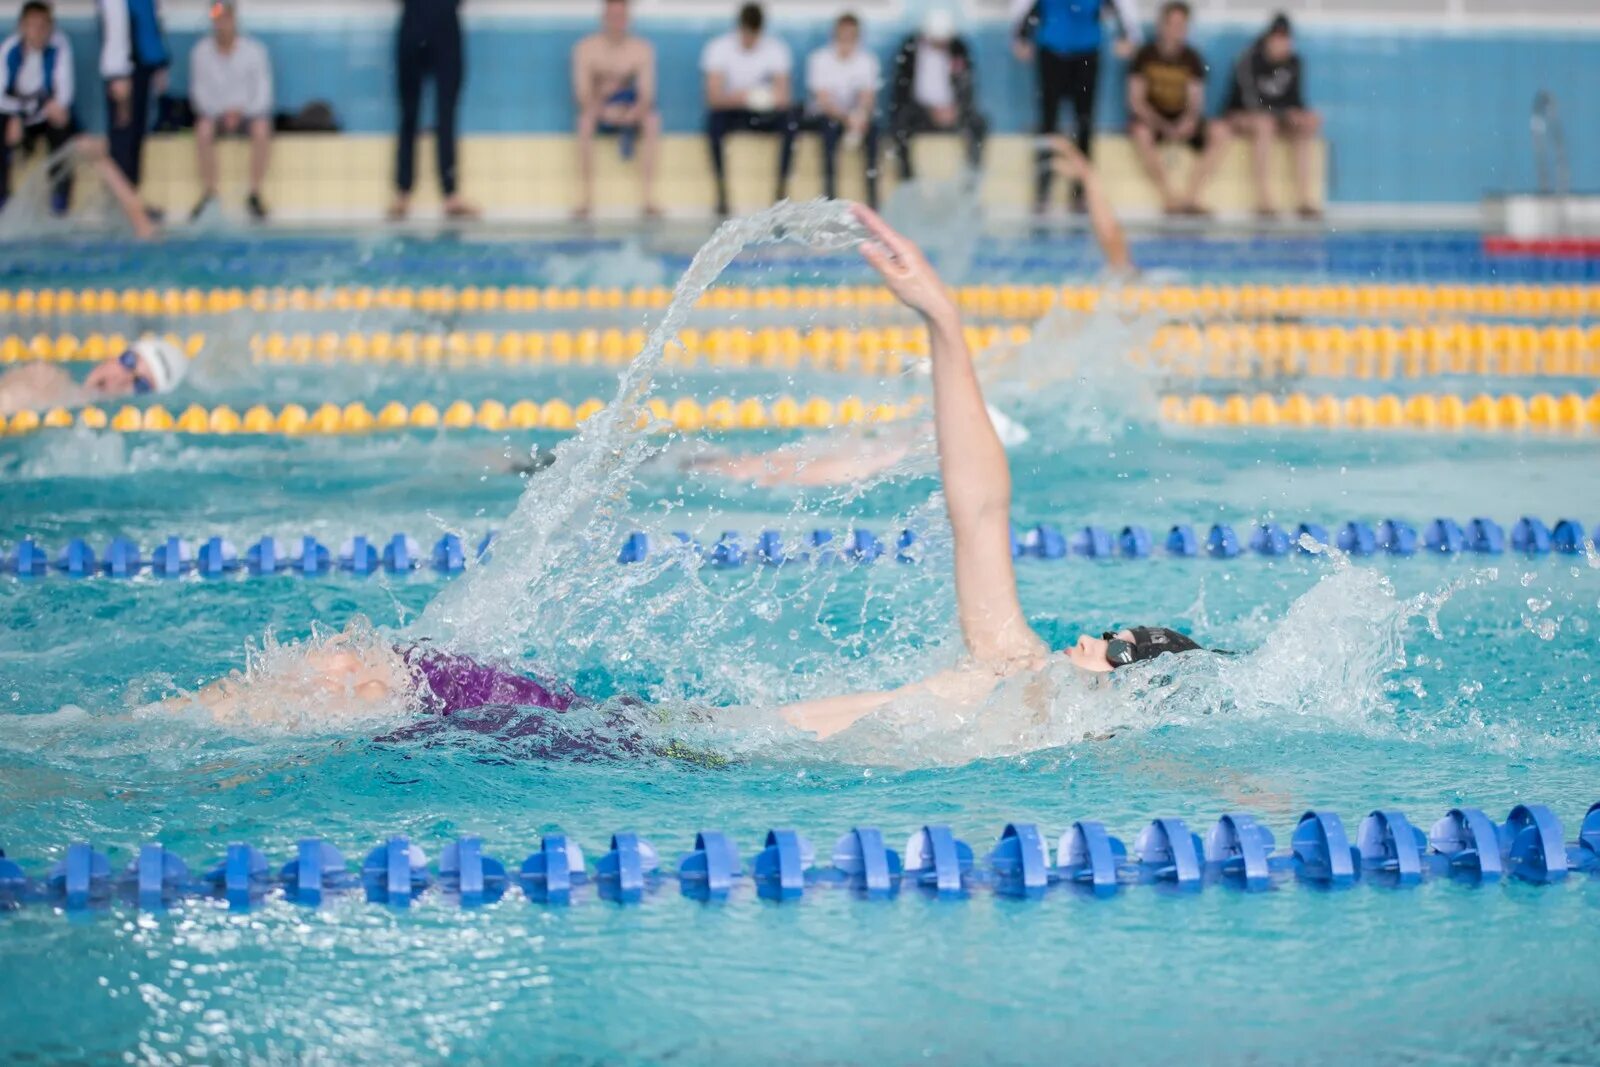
513 602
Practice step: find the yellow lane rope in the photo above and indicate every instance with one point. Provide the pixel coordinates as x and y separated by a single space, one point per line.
685 414
1543 412
995 301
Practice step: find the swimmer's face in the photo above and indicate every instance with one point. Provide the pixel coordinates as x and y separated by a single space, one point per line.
113 377
1090 652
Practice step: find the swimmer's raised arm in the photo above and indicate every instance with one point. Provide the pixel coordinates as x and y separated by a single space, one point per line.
1072 165
972 463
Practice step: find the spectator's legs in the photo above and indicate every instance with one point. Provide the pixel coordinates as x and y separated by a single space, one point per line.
410 59
1083 81
869 149
205 150
1144 146
1051 70
125 130
1261 130
902 124
718 124
260 151
1213 142
649 153
61 189
832 131
1303 129
588 122
788 126
974 130
5 172
448 72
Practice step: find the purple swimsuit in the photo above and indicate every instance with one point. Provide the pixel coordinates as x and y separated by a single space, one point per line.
522 711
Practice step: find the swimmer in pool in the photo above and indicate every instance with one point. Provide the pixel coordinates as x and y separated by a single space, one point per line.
148 366
977 492
365 673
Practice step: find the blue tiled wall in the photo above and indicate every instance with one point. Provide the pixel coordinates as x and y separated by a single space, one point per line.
1411 116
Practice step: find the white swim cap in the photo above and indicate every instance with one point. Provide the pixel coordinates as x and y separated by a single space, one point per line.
939 25
164 362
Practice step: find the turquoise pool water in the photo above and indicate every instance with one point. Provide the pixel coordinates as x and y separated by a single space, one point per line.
1417 683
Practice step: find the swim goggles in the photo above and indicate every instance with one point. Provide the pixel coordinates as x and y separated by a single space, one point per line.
1119 651
141 384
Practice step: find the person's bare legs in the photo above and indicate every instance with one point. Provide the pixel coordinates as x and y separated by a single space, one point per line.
93 151
649 154
1260 129
1304 126
588 119
260 152
205 150
1217 139
1144 147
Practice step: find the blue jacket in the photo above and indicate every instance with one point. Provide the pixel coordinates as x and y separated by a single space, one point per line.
131 37
1069 27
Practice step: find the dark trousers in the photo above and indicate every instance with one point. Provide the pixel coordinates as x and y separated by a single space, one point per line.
55 137
719 124
424 52
125 139
1073 78
913 118
832 131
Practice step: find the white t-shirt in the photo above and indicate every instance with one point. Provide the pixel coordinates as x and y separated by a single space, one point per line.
240 80
742 69
845 79
934 86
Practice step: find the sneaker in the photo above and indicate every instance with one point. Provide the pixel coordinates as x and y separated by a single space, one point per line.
258 210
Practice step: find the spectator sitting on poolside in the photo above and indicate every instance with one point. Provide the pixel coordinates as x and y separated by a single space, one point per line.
36 63
748 87
842 78
150 365
1266 100
1166 105
614 83
230 89
935 90
36 101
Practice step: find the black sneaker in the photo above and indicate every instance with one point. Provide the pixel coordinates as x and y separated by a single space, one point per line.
199 209
258 210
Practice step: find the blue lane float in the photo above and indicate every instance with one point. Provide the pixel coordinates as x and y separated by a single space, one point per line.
362 556
1239 853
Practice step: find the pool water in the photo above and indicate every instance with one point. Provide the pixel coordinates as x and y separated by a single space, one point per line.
1419 683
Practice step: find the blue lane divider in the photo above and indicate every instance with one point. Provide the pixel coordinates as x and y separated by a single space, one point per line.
1239 852
217 558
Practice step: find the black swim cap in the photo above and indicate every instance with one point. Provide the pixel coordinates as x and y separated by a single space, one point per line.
1147 642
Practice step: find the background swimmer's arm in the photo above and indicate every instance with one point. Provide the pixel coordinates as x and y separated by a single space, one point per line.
972 463
36 386
1071 164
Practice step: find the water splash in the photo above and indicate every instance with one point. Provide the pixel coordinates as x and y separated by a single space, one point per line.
528 594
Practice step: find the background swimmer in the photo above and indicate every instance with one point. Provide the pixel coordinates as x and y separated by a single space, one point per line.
150 366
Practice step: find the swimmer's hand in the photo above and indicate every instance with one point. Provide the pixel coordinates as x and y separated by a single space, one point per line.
903 267
1066 160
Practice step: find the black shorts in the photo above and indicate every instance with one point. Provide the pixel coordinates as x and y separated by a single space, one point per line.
1196 142
34 133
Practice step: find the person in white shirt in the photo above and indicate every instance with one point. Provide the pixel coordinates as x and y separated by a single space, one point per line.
748 87
842 80
36 101
230 90
36 97
935 90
